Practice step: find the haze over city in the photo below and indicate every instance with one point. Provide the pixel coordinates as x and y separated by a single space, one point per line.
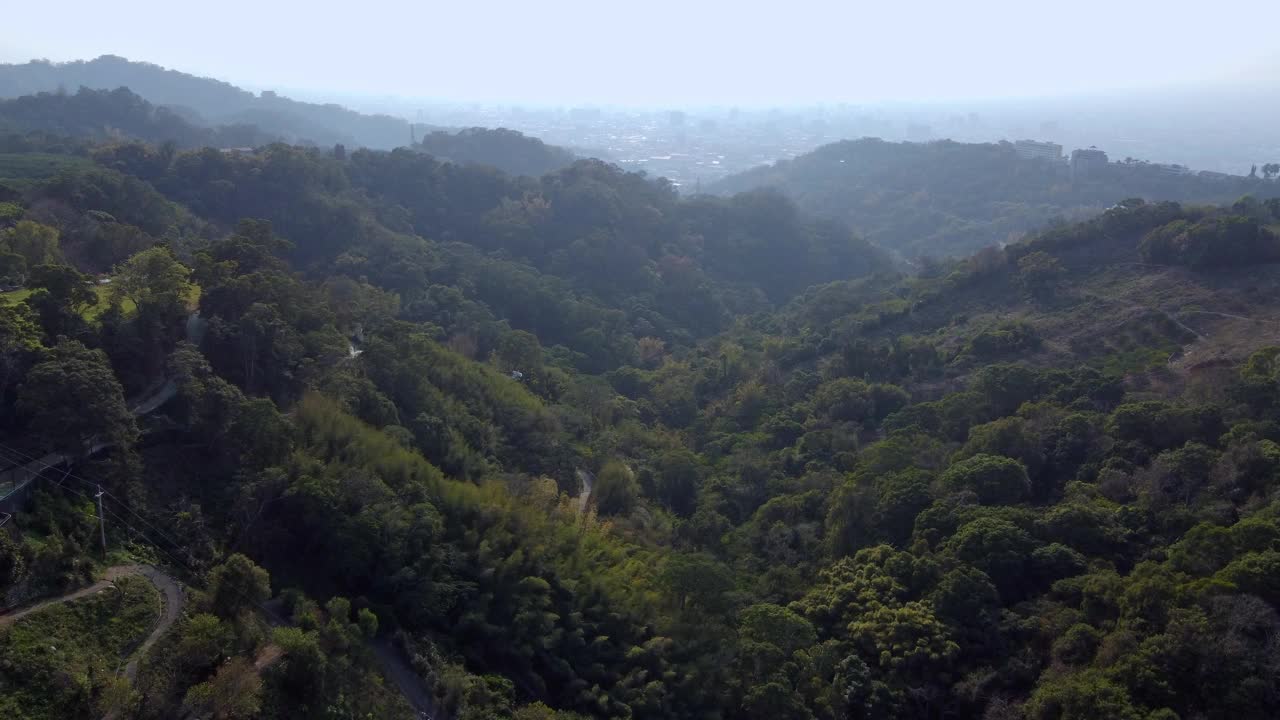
669 52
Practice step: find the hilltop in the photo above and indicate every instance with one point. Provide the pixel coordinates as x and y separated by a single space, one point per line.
949 199
574 446
508 150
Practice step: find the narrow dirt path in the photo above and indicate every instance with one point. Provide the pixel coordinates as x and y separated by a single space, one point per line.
1227 315
13 617
267 656
1169 316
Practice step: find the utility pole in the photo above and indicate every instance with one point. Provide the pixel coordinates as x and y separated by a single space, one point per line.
102 522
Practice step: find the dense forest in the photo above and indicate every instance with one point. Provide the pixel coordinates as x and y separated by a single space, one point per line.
576 447
508 150
949 199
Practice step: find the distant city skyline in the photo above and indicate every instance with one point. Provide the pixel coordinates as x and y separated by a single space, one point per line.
668 52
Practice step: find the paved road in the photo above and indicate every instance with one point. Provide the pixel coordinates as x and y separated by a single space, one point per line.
16 478
396 666
161 395
173 597
588 485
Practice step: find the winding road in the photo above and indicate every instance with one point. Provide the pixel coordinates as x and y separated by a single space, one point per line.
588 485
15 478
173 597
170 592
395 666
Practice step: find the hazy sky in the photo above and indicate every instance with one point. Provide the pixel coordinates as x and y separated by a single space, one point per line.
668 51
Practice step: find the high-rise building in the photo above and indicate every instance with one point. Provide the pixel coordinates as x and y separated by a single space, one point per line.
917 132
1086 163
1037 150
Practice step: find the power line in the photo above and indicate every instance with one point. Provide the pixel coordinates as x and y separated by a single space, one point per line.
91 516
179 546
119 519
194 575
196 578
92 484
102 522
190 571
122 521
95 486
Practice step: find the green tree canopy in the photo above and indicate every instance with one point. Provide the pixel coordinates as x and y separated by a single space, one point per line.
996 480
36 244
74 400
237 585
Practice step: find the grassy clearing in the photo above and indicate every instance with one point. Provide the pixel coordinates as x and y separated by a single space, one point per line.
93 312
19 169
13 297
55 659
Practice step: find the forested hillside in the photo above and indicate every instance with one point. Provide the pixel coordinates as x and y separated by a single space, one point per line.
508 150
949 199
114 115
577 447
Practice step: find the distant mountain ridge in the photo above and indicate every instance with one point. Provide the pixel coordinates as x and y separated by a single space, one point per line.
208 101
946 198
114 97
120 114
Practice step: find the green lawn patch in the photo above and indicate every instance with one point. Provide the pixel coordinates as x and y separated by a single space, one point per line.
13 297
20 169
1136 360
93 312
